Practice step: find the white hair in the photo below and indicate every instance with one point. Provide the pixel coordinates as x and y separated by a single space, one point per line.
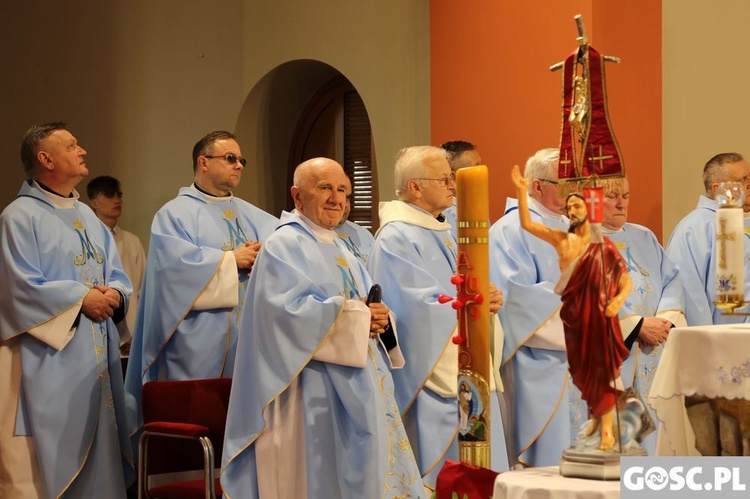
542 165
410 164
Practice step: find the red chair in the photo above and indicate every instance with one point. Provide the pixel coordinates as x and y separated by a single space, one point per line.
180 418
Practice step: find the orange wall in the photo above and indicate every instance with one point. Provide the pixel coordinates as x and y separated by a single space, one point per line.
490 84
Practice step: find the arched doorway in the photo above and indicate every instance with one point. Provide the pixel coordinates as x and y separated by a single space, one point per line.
334 124
298 110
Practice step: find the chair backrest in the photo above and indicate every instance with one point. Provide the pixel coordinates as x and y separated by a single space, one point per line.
202 402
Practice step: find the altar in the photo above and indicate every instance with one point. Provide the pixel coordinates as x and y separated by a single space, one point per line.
706 368
546 482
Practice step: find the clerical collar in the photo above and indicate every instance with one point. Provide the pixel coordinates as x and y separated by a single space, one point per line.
58 201
322 234
610 231
211 196
45 188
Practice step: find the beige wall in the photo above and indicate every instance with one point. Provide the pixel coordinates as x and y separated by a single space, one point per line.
706 97
139 82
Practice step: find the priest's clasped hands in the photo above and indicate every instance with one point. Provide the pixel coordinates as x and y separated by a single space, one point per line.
100 303
246 255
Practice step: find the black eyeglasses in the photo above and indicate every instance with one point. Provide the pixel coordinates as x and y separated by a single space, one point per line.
230 158
447 180
553 182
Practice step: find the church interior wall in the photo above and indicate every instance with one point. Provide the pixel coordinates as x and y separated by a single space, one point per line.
381 47
138 82
491 85
706 102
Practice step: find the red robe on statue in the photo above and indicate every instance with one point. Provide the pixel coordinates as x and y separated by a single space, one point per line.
593 360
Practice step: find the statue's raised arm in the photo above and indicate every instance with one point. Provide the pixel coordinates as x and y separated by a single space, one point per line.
553 236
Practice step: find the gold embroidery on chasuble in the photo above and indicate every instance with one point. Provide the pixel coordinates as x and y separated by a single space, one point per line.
349 289
237 237
400 472
640 277
88 251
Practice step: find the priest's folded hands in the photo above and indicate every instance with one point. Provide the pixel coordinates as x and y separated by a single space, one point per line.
100 303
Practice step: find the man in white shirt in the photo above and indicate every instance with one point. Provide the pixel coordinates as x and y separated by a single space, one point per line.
105 198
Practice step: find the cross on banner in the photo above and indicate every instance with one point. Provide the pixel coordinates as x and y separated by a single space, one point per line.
565 162
600 158
592 201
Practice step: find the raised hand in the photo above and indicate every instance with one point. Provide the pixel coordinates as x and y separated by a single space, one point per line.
521 183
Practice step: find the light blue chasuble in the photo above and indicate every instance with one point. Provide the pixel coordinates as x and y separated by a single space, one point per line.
356 238
190 237
413 260
691 248
656 290
71 398
353 442
546 408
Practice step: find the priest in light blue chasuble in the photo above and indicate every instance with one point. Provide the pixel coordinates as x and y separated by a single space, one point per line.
202 248
544 408
655 303
63 427
312 412
692 244
413 260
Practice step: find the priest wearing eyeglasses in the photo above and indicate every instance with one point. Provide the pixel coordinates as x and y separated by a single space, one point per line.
202 249
545 409
413 259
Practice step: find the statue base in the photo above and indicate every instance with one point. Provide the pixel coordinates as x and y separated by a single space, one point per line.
597 465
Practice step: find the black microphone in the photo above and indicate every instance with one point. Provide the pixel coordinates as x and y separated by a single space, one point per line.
388 337
375 295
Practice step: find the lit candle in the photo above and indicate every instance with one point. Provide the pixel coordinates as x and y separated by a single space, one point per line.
474 363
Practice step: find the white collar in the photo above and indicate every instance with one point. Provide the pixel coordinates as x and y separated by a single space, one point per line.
59 202
401 211
321 234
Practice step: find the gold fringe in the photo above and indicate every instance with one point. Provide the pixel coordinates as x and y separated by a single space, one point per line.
608 182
